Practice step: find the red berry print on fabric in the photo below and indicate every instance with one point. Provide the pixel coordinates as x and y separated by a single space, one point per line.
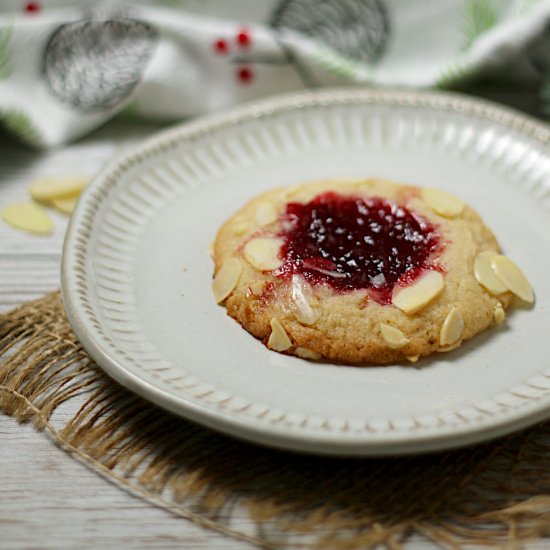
244 39
33 7
221 47
234 48
245 75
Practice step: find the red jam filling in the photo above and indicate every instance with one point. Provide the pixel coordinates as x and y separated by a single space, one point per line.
352 243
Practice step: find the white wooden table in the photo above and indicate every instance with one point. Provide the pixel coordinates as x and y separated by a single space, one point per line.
47 499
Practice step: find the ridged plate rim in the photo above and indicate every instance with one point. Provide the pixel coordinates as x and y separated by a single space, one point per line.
81 315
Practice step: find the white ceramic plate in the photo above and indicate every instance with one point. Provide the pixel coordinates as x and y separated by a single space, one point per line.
137 273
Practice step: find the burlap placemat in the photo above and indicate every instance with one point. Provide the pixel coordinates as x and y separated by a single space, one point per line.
495 494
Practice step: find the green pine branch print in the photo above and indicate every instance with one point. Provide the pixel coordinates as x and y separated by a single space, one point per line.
5 63
525 6
130 111
454 72
479 16
20 124
340 65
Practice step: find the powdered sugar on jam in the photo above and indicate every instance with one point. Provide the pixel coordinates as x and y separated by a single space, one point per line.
352 243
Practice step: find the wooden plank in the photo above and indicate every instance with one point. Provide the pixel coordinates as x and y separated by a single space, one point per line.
47 499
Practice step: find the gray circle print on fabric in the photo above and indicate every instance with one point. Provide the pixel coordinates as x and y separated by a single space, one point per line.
358 29
95 64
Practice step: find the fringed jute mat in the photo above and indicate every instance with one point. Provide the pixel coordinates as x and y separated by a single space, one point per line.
495 494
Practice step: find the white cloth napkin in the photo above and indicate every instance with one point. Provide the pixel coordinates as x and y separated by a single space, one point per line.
67 67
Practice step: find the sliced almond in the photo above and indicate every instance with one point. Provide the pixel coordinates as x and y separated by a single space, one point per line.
65 206
305 353
278 339
499 314
364 185
413 358
485 275
295 193
442 203
449 347
240 229
452 327
393 336
302 302
262 253
418 295
47 189
257 288
266 213
29 217
512 277
226 279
